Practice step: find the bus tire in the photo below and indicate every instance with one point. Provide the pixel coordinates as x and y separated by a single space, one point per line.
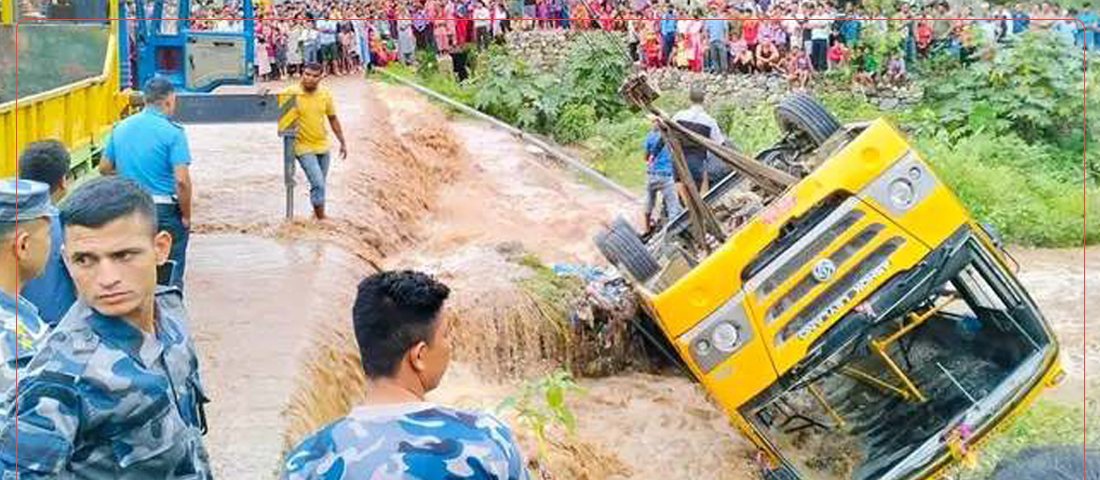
625 250
801 113
624 227
779 159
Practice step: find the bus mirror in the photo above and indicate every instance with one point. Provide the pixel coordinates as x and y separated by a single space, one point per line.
994 235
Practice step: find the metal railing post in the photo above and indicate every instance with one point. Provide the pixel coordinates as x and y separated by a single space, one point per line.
288 129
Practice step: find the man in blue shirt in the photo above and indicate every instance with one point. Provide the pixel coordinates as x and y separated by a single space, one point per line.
718 37
850 27
1020 20
151 150
53 292
668 34
659 178
404 342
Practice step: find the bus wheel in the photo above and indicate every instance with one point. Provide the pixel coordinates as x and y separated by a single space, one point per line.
622 246
803 116
780 159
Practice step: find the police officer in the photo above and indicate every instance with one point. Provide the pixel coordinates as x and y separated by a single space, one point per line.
24 249
151 150
114 391
53 292
405 345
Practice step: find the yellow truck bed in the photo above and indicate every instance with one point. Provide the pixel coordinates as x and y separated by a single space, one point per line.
79 114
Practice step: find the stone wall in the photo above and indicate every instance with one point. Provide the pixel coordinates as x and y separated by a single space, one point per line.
545 50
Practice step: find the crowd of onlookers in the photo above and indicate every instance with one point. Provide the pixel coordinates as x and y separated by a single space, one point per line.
801 39
797 39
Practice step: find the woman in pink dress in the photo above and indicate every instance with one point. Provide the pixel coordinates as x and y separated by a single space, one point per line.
440 26
542 11
451 28
695 43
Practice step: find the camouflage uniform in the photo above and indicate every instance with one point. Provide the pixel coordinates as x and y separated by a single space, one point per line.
21 328
104 400
20 337
412 441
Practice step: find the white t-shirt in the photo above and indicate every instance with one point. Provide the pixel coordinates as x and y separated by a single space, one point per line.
482 16
794 29
820 28
501 14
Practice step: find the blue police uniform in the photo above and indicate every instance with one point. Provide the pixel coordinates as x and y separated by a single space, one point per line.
21 329
147 148
408 441
103 399
53 292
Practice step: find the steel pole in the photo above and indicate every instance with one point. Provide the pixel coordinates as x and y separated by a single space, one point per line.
288 172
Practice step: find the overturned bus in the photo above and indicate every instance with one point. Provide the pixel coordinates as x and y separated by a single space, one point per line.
858 324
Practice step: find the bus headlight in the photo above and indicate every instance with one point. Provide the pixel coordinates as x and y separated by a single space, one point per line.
725 337
902 193
902 186
720 335
702 346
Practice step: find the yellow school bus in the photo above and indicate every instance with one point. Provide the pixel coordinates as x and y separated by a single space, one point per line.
858 325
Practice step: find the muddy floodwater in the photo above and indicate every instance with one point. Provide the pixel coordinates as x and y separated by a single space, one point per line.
254 303
423 189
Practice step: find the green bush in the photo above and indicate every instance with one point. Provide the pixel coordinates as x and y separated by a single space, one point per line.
616 151
1016 186
576 123
510 90
427 64
593 72
1032 88
751 129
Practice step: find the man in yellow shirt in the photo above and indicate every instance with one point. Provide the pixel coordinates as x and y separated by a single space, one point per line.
314 104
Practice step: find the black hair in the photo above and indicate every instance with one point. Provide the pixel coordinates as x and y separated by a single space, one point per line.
157 89
45 161
314 67
1064 462
106 199
394 311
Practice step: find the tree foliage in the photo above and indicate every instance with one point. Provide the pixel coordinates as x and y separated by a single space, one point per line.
1032 88
567 103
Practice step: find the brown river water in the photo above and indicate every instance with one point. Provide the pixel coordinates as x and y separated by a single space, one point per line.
271 300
